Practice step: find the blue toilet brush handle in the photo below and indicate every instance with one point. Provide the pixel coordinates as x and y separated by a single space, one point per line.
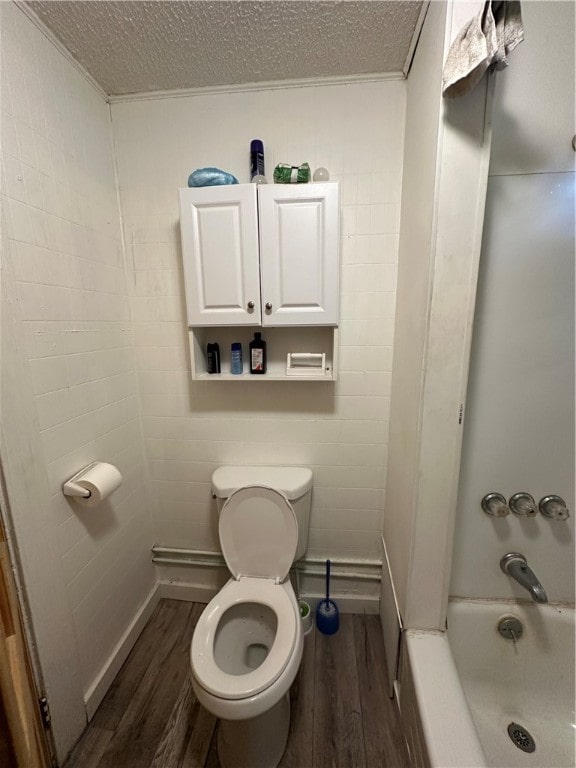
327 580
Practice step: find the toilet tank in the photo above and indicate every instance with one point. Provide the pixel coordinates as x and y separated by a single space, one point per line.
294 482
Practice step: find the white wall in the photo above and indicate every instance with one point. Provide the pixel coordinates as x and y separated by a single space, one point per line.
341 430
69 385
534 110
444 188
519 433
423 126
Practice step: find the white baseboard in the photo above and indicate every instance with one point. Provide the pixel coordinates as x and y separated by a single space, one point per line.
398 695
103 680
199 593
390 619
177 590
193 593
348 604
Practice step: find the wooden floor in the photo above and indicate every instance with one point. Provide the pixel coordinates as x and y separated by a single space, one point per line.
341 715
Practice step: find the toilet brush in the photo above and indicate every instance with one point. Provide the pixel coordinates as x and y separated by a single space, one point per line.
327 616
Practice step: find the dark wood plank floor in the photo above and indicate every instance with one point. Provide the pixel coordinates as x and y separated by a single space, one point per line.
341 715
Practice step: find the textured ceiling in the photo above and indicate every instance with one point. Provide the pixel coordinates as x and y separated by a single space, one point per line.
144 46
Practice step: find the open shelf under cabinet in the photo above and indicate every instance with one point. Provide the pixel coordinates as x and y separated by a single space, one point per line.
279 342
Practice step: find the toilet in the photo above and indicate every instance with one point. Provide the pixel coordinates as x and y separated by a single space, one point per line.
247 646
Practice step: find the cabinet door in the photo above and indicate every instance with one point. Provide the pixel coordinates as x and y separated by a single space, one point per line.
299 262
220 253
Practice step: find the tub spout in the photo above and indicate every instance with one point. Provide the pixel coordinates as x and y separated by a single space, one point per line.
515 565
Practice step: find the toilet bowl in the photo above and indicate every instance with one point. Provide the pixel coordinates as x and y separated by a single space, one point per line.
247 646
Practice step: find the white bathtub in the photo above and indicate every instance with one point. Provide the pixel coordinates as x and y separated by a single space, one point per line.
460 690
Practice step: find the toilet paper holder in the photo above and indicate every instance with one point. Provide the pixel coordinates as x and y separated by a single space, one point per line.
306 364
93 484
71 487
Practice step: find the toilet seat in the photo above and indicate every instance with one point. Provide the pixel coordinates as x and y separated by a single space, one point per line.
258 533
244 590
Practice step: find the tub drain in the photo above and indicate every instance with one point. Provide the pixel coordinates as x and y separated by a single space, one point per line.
521 737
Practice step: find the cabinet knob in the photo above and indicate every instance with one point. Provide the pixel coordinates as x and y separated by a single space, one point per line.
268 305
250 305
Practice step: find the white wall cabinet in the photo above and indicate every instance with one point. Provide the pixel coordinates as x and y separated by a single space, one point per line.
299 265
219 230
264 255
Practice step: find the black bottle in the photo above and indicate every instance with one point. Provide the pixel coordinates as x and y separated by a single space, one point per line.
257 354
213 357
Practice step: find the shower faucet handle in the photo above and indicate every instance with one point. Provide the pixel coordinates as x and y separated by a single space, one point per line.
523 504
494 504
554 508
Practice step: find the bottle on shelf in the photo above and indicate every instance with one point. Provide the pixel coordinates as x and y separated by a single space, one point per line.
236 366
257 354
213 357
257 172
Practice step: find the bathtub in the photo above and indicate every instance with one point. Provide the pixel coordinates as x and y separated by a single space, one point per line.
460 690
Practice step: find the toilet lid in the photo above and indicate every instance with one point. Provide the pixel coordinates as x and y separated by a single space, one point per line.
258 533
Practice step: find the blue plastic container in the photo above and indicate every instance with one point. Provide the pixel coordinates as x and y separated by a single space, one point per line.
210 177
236 366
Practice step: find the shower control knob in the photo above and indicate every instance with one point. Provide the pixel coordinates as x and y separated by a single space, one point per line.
523 505
268 305
250 305
494 504
554 508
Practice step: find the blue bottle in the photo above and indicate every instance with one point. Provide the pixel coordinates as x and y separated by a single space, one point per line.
236 358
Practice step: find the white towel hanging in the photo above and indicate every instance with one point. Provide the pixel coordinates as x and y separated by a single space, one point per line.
485 41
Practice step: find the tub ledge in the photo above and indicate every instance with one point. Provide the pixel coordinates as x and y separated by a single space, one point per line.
450 735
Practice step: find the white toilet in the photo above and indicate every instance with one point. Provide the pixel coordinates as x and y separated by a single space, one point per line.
247 645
